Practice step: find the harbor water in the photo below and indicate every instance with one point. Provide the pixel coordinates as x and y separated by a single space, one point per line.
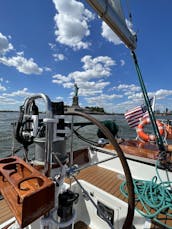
7 141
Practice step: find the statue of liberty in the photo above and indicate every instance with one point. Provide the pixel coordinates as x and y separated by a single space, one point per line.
76 89
75 100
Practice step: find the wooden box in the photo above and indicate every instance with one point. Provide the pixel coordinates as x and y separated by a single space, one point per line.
29 193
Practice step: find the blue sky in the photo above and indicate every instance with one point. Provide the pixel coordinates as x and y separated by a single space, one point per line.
48 45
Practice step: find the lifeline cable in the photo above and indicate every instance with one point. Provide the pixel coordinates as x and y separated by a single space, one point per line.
85 139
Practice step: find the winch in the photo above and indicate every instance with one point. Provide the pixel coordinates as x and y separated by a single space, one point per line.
45 131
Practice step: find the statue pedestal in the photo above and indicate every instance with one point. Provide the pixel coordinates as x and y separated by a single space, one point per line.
75 102
75 105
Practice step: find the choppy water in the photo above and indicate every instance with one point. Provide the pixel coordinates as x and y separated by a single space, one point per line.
90 132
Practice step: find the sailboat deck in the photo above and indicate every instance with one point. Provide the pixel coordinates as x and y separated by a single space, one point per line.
5 212
104 179
110 182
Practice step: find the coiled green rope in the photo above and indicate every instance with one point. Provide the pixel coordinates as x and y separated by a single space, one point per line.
155 197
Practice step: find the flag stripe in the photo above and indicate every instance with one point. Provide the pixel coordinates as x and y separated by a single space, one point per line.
133 111
134 115
135 124
133 118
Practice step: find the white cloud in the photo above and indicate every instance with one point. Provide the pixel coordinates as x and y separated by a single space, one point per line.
135 96
11 101
72 23
68 85
90 63
109 35
59 98
5 45
91 80
162 93
58 57
4 100
21 93
105 101
27 66
122 62
128 87
94 68
47 69
2 88
60 79
124 106
159 94
91 88
103 98
52 46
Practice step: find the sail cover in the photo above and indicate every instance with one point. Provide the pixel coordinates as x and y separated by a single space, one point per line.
111 12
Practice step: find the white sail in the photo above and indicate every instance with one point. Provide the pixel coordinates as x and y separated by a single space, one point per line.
111 12
116 5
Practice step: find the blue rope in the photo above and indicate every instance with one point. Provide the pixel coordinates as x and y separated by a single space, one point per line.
155 197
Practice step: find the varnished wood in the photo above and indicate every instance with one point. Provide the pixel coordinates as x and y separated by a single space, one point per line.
137 148
140 149
28 193
5 212
104 179
80 158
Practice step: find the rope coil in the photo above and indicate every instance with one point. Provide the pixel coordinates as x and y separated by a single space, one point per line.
155 197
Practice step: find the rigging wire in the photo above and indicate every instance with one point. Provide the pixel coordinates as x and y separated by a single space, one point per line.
84 139
148 105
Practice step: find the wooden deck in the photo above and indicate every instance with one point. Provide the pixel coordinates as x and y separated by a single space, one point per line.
110 182
5 212
104 179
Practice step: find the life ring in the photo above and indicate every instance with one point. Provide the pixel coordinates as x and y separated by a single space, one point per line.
168 129
148 137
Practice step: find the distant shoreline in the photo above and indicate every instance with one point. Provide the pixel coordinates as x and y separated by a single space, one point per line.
86 112
8 111
94 113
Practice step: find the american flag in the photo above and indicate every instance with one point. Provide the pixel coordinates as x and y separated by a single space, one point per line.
134 115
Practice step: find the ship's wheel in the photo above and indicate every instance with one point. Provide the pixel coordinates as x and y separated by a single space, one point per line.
131 199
